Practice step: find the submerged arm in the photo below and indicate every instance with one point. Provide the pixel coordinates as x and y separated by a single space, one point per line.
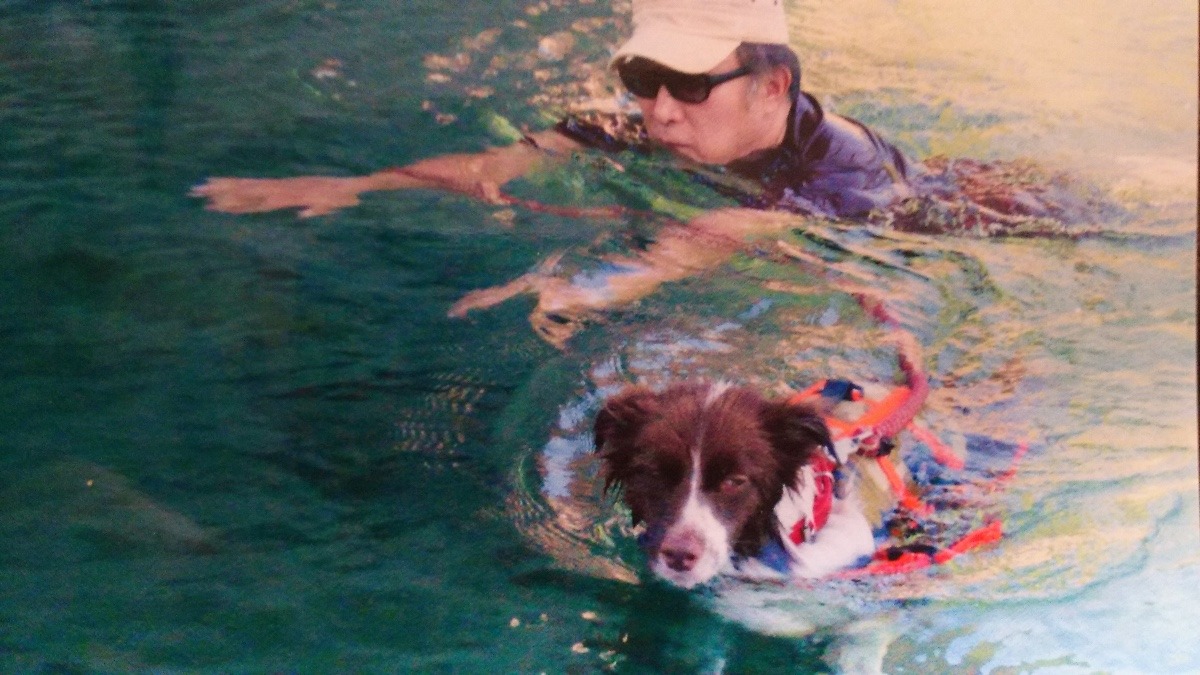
678 251
478 175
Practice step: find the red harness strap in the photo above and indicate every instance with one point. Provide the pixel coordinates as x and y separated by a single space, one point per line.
823 469
882 420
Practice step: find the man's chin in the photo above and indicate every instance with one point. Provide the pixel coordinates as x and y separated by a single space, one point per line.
686 152
690 154
676 148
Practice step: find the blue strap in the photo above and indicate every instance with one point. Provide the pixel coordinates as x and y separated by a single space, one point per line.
840 390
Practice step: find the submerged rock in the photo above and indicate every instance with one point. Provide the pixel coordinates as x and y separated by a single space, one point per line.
85 509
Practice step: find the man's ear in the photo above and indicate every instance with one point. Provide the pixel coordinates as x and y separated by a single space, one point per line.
777 83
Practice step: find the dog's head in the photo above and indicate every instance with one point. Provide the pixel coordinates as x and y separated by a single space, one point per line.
703 465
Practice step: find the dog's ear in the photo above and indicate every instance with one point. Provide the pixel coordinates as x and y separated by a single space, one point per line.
617 425
795 431
623 415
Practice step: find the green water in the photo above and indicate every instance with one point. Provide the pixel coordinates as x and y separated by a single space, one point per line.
256 443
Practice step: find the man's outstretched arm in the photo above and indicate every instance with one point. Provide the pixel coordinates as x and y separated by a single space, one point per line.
478 175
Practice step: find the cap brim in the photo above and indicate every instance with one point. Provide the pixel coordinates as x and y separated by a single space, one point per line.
685 53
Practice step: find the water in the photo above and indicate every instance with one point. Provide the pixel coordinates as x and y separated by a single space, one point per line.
256 444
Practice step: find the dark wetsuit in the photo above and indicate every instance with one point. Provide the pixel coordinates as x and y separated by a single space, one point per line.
827 165
835 167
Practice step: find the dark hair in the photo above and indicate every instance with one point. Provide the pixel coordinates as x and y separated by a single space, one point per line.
762 57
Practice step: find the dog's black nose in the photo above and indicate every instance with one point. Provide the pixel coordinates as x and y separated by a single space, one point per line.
680 559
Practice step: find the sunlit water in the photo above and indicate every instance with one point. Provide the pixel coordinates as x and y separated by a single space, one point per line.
253 443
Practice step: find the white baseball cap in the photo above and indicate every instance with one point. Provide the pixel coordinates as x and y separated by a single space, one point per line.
693 36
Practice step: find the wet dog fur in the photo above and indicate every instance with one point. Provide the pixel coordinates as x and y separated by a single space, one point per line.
703 466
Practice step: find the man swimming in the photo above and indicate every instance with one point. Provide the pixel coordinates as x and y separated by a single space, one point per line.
717 84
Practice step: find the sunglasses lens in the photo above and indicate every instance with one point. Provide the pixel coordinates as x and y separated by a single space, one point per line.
688 88
639 82
644 81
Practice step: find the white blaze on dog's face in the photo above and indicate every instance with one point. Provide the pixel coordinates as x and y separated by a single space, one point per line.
703 467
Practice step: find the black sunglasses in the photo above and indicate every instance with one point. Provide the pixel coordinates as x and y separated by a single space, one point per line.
644 78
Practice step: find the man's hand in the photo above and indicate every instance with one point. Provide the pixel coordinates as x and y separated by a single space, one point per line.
562 307
313 195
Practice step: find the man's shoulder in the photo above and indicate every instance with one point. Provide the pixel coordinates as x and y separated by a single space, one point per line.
835 165
826 138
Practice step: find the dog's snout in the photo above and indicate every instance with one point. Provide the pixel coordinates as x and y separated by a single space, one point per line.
681 552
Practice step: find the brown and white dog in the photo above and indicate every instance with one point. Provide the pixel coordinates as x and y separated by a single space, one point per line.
726 481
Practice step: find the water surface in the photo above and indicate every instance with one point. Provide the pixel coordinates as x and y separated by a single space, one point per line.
256 444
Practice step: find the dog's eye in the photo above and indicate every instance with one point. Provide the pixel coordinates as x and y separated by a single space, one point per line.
734 484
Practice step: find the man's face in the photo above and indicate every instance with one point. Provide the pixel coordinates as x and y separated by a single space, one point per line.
730 124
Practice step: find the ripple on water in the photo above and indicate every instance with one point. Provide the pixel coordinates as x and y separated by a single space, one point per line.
1101 489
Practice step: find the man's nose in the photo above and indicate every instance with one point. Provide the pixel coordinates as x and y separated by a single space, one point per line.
666 108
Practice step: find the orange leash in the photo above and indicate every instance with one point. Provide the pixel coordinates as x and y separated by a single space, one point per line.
889 561
907 499
992 532
884 419
941 453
